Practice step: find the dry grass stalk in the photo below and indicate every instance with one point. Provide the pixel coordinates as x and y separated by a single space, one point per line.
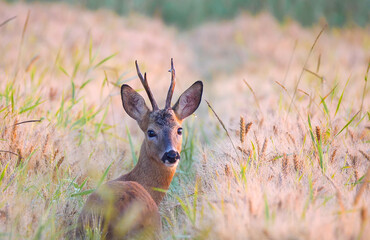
246 152
19 160
227 170
13 137
363 187
223 126
284 166
291 138
260 123
338 194
242 129
257 144
45 144
352 135
248 127
60 161
297 163
304 66
336 129
254 94
274 128
354 165
318 133
55 154
365 155
263 151
332 157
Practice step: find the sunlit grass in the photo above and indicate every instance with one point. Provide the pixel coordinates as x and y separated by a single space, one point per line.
299 170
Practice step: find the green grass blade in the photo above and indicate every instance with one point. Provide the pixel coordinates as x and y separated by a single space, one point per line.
104 60
85 83
73 92
100 124
325 106
341 97
83 193
348 123
104 175
134 157
3 173
310 127
63 70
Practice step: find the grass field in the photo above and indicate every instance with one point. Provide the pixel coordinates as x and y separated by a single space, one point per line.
281 151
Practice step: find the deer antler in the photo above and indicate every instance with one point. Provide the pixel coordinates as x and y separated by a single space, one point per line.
172 86
144 81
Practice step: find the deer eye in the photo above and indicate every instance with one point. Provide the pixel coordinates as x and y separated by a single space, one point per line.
179 131
151 134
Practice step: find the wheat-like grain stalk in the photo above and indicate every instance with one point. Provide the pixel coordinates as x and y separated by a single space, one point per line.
242 129
248 127
263 151
46 143
365 155
332 157
13 136
227 170
363 187
291 138
257 144
338 193
354 165
284 165
223 126
318 133
297 163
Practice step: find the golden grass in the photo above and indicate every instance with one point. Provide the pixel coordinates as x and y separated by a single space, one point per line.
302 173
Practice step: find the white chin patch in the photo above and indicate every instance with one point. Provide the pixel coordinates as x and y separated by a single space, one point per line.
168 164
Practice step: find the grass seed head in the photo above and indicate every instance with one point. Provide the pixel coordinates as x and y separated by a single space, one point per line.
297 163
284 166
366 156
242 129
332 157
248 127
263 151
318 133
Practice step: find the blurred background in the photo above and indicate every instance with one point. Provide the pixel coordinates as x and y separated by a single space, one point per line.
190 13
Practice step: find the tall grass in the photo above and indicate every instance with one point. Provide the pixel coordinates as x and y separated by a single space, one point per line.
267 161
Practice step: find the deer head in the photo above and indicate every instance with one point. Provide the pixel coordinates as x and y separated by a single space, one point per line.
162 127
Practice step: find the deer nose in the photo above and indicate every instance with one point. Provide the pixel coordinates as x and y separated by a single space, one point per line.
171 156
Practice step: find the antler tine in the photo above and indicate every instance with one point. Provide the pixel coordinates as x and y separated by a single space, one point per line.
144 81
172 86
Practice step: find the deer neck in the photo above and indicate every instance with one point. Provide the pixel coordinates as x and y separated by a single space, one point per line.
151 174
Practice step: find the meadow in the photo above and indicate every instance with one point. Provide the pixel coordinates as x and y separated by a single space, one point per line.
278 149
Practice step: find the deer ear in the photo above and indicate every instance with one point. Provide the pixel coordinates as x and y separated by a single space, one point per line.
189 101
133 103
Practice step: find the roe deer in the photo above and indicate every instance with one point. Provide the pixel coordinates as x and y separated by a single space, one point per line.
128 205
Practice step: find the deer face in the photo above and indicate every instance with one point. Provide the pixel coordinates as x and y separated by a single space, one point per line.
163 136
162 127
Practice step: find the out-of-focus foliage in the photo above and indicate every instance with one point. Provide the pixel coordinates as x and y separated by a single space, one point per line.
190 13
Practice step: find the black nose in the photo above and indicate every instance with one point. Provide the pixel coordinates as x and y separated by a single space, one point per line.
171 156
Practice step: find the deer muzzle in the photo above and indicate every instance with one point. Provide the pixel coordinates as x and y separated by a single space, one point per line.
170 157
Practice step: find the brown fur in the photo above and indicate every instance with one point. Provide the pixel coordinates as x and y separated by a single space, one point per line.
113 201
109 205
